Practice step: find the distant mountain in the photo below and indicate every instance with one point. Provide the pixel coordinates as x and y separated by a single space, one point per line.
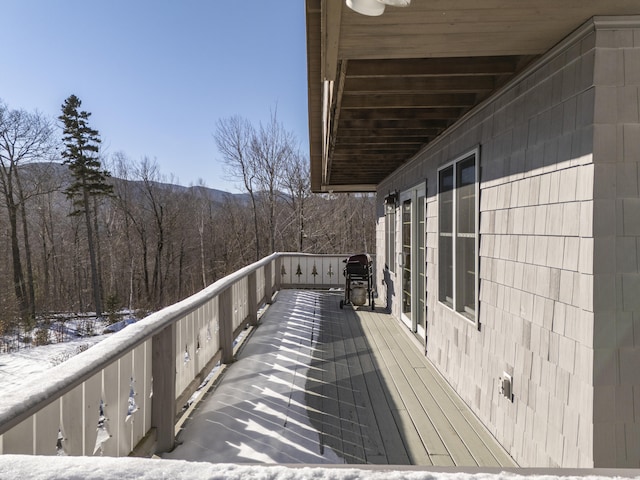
218 196
62 172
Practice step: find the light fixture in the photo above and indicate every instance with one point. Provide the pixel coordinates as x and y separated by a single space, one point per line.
396 3
392 199
374 8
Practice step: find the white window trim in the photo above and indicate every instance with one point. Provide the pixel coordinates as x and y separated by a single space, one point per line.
476 153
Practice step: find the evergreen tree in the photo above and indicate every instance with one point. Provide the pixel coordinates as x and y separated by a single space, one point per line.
89 180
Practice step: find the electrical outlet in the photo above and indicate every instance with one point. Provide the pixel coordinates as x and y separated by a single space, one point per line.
505 385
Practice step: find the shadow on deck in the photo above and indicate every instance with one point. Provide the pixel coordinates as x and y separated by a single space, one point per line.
319 385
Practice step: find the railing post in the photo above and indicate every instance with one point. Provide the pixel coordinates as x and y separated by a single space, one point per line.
268 283
252 298
278 265
163 404
225 317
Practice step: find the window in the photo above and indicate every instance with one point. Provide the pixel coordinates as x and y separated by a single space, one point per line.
457 236
445 239
390 233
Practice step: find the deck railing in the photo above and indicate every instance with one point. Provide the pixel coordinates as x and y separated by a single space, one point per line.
125 393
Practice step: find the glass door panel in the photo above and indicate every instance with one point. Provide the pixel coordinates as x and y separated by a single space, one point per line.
406 261
420 268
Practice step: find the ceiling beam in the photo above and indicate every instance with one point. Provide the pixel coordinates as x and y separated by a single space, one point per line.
354 158
389 85
387 133
348 187
375 140
399 124
426 100
424 67
402 113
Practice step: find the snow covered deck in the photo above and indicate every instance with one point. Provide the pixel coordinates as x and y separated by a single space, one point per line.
315 384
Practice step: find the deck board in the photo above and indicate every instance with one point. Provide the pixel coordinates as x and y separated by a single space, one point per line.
424 441
457 425
376 407
337 331
349 415
425 403
319 384
367 426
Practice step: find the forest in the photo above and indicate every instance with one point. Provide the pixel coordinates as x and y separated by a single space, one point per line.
85 232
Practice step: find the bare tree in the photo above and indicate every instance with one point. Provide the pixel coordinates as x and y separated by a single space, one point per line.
258 158
298 187
150 209
273 148
124 202
201 209
37 185
233 136
24 138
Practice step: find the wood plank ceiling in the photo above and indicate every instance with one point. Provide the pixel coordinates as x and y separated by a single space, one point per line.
389 109
381 88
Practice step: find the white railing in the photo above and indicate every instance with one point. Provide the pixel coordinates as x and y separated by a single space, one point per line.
124 393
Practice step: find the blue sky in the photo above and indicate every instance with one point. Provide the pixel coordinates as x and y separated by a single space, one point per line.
158 74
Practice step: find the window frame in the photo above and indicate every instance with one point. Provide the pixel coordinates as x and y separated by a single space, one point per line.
456 253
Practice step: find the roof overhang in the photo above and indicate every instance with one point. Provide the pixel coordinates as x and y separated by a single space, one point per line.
381 88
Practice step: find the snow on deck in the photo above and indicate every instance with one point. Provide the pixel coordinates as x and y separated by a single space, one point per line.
316 384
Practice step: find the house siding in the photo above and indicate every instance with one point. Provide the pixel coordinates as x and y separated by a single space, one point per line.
559 270
616 226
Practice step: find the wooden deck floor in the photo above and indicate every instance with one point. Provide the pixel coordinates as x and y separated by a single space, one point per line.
317 384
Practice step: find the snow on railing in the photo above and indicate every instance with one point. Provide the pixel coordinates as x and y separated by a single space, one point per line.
130 386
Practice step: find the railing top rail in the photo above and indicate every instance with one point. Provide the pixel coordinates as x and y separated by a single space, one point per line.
18 404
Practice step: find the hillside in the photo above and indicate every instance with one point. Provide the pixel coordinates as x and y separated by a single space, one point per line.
61 172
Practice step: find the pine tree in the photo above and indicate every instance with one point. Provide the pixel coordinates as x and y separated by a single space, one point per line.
89 180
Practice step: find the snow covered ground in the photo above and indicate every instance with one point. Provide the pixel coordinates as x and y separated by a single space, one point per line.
17 367
104 468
